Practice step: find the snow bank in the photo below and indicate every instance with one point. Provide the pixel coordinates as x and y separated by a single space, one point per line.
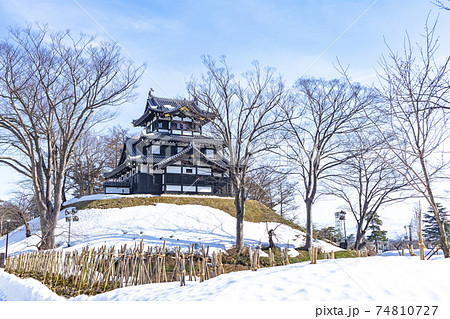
344 280
13 288
380 278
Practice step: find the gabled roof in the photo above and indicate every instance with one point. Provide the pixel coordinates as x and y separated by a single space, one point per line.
173 158
172 107
199 139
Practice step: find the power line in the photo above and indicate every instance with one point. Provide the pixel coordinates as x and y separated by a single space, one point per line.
118 44
334 43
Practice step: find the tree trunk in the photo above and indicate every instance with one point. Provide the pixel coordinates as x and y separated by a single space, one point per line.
239 203
359 237
419 233
27 230
48 226
271 243
443 236
309 225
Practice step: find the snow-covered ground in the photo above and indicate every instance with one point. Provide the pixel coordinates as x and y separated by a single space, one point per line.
385 278
178 225
357 279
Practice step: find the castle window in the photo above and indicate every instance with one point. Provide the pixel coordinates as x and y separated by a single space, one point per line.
163 124
156 149
175 126
187 170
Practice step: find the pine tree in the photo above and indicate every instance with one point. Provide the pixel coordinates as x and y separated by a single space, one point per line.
430 227
377 234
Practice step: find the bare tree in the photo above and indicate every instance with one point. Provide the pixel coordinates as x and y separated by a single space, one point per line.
320 116
441 5
113 142
87 165
272 187
416 93
21 209
365 183
53 88
245 112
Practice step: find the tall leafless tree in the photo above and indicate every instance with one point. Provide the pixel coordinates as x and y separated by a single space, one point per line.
53 88
318 119
416 92
245 112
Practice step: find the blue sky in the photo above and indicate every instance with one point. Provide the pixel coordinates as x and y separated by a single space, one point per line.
171 36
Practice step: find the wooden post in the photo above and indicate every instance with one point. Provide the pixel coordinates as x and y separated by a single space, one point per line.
222 271
191 263
285 254
183 271
270 257
313 251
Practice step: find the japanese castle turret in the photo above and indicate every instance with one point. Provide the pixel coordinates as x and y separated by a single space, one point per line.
171 155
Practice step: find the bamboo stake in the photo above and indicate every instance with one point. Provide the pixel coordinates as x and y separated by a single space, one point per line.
271 261
183 272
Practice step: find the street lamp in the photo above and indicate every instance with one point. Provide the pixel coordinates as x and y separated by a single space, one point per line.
342 217
70 215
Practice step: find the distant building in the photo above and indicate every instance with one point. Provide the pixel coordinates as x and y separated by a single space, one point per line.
171 155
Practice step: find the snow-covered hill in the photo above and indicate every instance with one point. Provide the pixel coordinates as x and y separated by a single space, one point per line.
178 225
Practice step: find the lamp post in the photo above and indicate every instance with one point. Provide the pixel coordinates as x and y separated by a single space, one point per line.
7 237
70 215
410 233
342 217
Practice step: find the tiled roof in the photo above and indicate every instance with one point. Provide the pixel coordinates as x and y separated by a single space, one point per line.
170 106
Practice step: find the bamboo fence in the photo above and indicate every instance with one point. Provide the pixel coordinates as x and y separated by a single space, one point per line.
96 270
93 271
